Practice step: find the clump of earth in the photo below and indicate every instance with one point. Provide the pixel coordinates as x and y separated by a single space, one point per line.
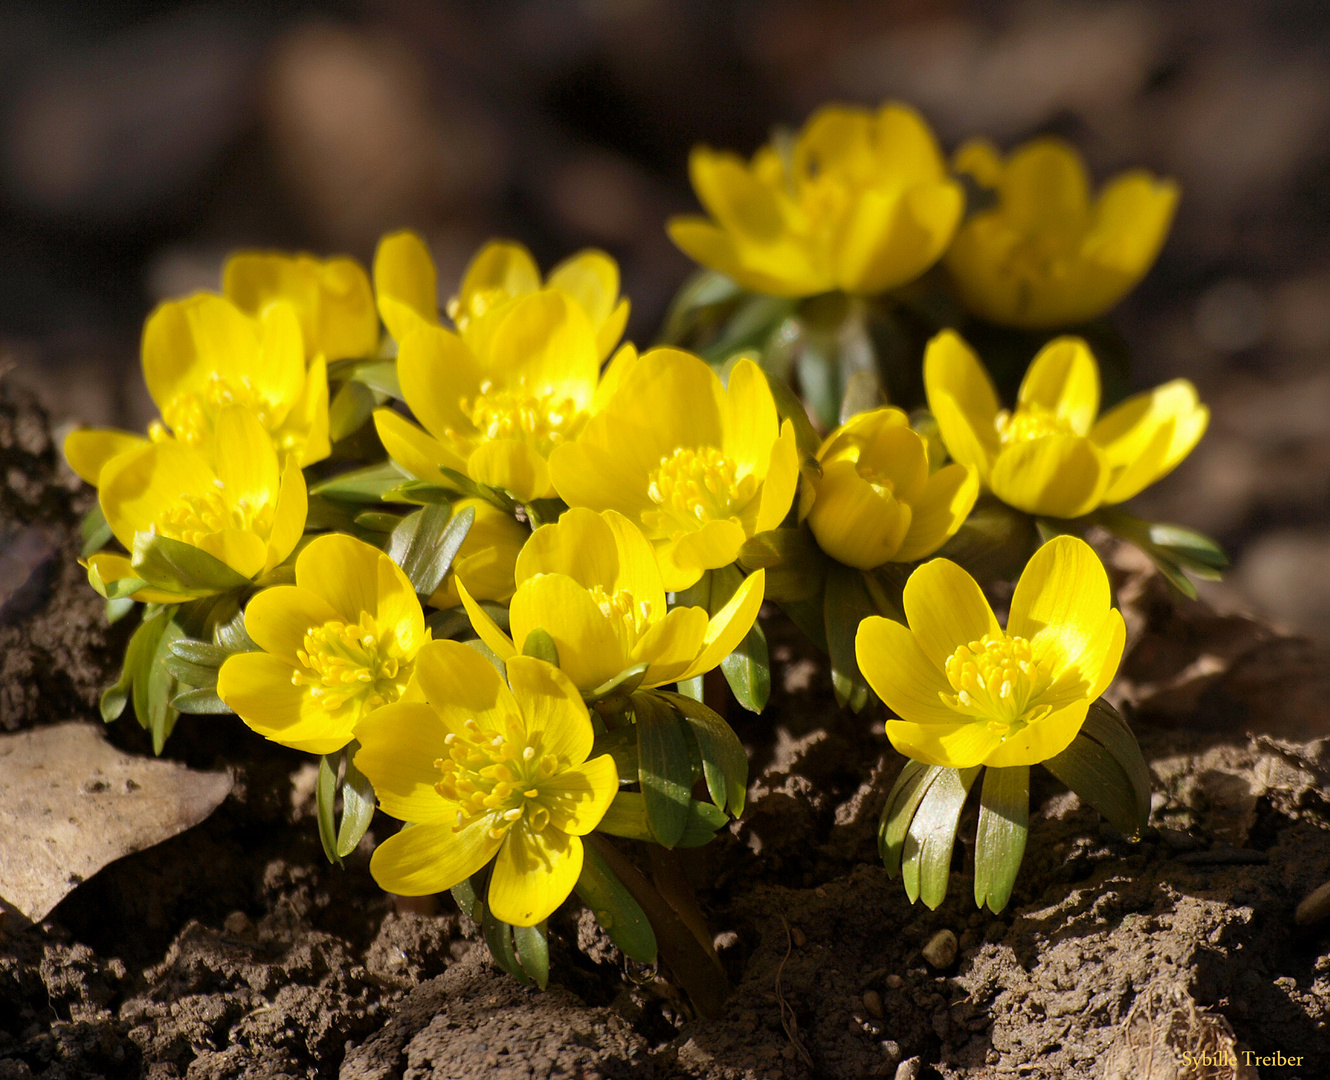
235 950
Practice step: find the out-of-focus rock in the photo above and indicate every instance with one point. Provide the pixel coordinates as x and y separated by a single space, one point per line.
1287 574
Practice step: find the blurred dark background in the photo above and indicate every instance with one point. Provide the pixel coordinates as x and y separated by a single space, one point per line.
141 141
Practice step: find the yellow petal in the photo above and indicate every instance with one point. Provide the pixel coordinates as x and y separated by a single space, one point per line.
241 550
939 513
288 519
88 449
714 545
578 797
462 685
246 462
853 523
672 575
279 618
415 452
486 628
592 279
611 330
782 479
908 683
545 343
110 567
343 571
437 371
281 359
946 609
981 159
1064 380
730 624
1062 476
592 648
398 608
501 267
672 645
956 745
585 474
1045 187
258 688
186 341
304 432
710 246
533 874
137 487
406 284
1147 435
613 375
553 714
1041 740
593 549
750 424
511 465
733 196
399 744
962 398
433 856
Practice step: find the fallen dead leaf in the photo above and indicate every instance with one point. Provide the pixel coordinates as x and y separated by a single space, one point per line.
70 803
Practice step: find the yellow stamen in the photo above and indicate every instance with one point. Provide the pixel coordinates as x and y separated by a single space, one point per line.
195 517
544 420
497 775
343 661
695 486
1029 422
998 680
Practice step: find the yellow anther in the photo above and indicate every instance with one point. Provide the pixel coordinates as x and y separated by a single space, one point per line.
883 485
195 517
492 774
1028 423
997 679
634 615
695 486
542 420
340 661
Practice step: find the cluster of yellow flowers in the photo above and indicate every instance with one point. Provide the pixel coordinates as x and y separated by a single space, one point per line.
600 524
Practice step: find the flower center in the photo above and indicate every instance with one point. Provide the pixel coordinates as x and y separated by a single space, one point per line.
543 420
633 614
195 517
883 485
351 660
694 486
192 415
487 773
998 680
1028 423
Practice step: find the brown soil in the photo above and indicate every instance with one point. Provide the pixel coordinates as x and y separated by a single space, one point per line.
234 950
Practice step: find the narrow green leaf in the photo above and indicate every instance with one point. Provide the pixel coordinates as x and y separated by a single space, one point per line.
349 410
1004 822
748 327
615 909
232 636
425 543
809 616
620 744
94 531
724 760
120 589
118 609
847 604
357 805
365 485
467 895
705 289
748 668
794 563
1094 774
202 653
533 952
540 645
380 375
377 521
792 409
325 794
201 702
664 770
693 688
142 646
182 568
1105 725
193 675
926 855
627 817
863 393
161 688
902 801
499 938
819 379
622 685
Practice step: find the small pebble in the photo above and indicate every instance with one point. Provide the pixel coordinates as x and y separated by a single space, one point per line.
237 923
941 950
799 938
873 1003
1314 907
821 892
909 1069
894 982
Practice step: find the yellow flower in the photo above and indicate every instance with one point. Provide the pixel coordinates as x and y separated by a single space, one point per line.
239 506
486 771
592 583
875 501
1051 456
1048 254
203 354
485 561
697 466
970 693
500 272
861 203
337 644
332 298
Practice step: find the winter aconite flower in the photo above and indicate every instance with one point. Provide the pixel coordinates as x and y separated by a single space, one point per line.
592 583
968 692
875 500
336 645
698 466
487 771
861 202
202 355
1051 455
332 298
237 505
1049 254
501 271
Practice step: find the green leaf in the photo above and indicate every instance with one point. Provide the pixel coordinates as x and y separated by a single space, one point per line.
1004 823
232 636
724 760
201 702
158 715
378 521
94 531
1105 725
748 327
926 855
366 485
620 744
903 800
379 375
615 909
819 379
694 688
349 410
118 609
182 568
792 409
357 805
748 668
499 938
627 817
863 393
426 542
664 770
622 685
794 563
195 675
325 794
1094 774
533 952
120 589
138 655
202 653
540 645
704 289
808 615
467 895
847 604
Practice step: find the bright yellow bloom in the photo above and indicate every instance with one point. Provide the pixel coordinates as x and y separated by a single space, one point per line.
203 354
697 466
592 583
1051 456
487 771
502 271
875 501
332 298
336 645
244 510
1048 254
861 203
970 693
485 561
